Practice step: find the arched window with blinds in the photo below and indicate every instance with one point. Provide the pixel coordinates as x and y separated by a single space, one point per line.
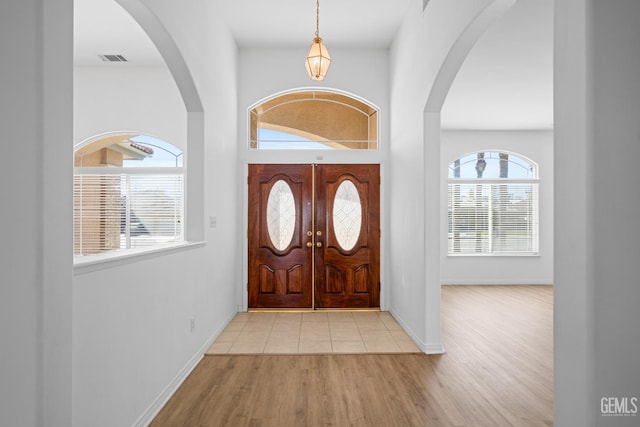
128 193
493 205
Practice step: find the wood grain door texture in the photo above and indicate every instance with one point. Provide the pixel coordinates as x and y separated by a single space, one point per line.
314 236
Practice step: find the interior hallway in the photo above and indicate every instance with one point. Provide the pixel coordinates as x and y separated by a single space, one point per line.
497 371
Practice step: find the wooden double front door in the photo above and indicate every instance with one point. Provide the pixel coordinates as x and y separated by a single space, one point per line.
314 236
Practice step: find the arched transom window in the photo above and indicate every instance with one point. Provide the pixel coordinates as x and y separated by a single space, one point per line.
493 205
313 119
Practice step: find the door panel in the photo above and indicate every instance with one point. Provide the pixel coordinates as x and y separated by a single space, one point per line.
279 261
314 250
347 265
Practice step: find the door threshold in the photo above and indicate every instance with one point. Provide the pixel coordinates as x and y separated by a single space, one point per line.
311 310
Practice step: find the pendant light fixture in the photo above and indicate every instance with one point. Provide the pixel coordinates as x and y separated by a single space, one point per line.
318 59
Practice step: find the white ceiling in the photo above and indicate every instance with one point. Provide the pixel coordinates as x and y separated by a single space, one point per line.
505 83
102 27
343 23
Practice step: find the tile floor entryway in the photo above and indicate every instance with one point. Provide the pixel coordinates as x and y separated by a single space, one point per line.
313 333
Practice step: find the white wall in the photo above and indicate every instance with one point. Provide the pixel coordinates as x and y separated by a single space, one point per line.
265 72
20 292
120 97
425 56
574 383
616 202
35 266
132 338
597 237
132 333
535 145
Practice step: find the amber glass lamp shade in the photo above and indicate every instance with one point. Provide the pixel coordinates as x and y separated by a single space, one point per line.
318 60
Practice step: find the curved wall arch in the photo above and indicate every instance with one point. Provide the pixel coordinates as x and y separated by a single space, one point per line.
459 51
168 48
427 53
433 212
177 65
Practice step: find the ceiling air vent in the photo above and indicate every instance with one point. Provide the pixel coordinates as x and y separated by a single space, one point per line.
113 58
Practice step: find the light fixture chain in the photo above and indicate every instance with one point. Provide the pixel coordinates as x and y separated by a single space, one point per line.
317 18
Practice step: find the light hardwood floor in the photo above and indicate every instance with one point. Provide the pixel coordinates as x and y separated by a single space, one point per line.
497 371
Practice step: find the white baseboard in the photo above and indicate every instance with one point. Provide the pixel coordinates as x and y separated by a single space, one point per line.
432 348
498 283
153 410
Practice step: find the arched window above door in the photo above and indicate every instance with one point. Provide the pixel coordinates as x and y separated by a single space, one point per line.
313 119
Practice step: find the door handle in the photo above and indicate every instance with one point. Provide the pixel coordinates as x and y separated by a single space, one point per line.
309 244
318 244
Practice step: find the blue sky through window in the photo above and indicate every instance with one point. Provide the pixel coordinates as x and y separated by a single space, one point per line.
165 155
276 140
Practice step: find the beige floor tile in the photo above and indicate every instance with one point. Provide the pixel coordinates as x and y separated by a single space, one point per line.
228 336
259 325
345 335
241 317
315 336
399 335
340 316
282 346
235 326
376 336
287 325
219 347
285 333
372 326
393 326
343 326
349 347
310 347
262 320
247 347
366 316
288 317
382 346
314 327
407 346
288 329
385 315
253 335
309 332
321 316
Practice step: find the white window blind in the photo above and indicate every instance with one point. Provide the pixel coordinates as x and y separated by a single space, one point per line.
493 204
117 208
492 217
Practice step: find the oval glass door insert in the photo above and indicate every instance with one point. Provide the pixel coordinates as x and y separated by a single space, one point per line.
281 215
347 215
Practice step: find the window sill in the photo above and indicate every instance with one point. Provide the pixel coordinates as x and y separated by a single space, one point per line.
492 255
88 264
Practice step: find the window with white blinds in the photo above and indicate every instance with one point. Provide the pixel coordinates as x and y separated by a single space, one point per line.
117 207
493 205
